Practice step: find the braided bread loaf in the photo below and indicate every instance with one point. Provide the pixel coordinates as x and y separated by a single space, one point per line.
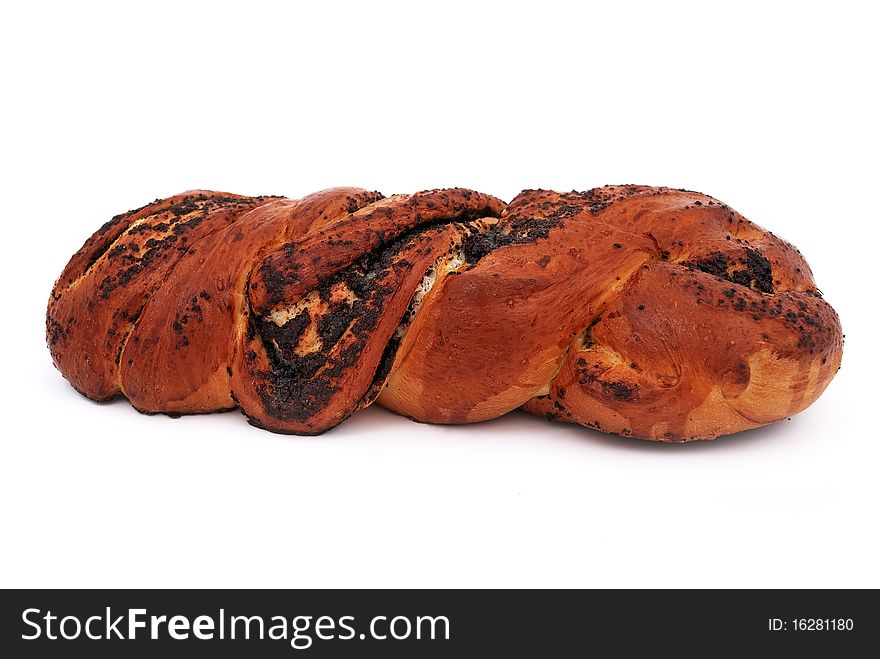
649 312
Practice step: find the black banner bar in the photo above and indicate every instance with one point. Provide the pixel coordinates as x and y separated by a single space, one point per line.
419 623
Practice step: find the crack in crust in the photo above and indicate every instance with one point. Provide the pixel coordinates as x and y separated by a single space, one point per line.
647 312
325 346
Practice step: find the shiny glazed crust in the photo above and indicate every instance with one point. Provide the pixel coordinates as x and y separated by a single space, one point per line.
646 312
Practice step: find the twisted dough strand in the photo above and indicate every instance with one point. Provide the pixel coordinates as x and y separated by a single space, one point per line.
642 311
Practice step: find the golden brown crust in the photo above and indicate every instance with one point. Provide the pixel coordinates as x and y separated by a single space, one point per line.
96 302
324 309
648 312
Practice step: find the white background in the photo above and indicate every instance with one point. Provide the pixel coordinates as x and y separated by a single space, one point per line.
771 107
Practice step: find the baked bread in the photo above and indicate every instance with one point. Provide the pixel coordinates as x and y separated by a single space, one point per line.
646 312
